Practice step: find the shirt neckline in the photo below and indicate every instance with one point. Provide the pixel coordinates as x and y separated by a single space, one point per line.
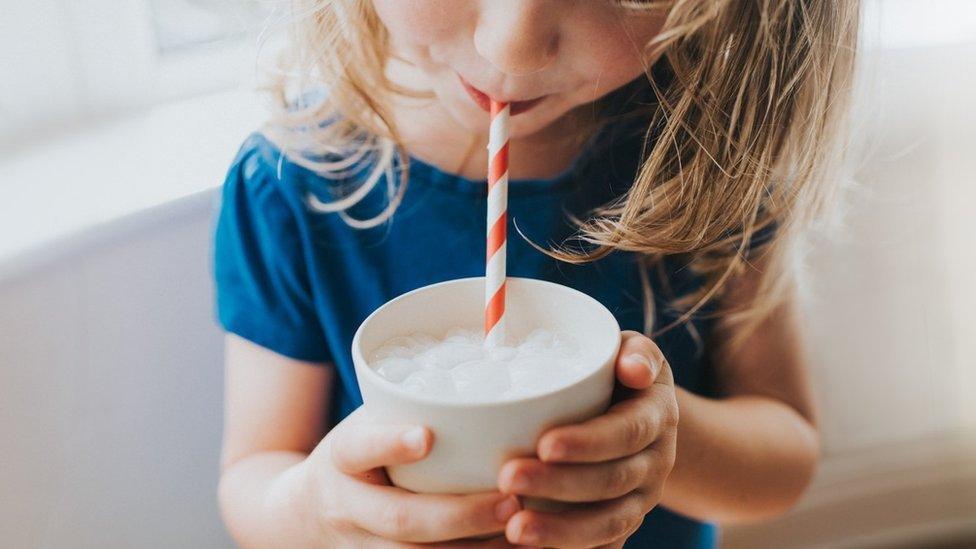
436 177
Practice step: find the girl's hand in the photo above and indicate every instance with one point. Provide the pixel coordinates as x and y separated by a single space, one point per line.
353 504
617 463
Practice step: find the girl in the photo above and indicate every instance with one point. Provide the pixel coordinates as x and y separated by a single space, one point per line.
664 158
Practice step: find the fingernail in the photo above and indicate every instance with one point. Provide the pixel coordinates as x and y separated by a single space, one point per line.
506 508
415 439
529 534
643 360
556 450
519 482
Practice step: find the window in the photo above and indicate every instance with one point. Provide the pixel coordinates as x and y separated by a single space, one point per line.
70 61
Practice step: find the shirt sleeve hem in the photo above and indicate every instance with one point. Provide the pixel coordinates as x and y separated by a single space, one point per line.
305 350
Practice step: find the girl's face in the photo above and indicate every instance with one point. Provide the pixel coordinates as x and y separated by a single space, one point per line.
545 57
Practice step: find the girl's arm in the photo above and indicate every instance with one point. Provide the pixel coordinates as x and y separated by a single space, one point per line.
266 441
289 481
751 453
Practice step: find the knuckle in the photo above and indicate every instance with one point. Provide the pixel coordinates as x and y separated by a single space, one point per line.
657 492
652 488
652 496
659 464
644 465
671 416
616 525
634 515
636 430
622 478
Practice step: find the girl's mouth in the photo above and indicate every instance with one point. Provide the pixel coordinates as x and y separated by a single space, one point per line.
483 100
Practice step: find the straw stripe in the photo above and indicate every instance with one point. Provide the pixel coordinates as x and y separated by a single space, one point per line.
499 165
499 126
495 263
496 226
496 236
495 312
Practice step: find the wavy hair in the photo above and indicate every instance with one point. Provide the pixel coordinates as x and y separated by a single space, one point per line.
742 137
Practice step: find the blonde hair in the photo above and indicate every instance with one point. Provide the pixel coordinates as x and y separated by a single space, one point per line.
741 138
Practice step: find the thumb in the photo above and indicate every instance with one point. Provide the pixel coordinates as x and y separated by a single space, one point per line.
639 361
368 446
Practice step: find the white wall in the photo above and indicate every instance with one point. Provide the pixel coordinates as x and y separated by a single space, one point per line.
110 392
891 313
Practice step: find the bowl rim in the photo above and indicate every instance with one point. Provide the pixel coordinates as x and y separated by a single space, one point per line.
362 367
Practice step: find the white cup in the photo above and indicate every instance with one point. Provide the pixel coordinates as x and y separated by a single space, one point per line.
473 440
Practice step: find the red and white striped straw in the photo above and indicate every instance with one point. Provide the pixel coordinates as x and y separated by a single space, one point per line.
497 214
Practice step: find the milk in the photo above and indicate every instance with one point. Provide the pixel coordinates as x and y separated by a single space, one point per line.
461 368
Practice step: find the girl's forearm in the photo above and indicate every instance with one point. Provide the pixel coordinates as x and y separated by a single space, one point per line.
740 458
263 502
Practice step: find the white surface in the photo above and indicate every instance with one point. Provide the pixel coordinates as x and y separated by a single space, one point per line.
70 62
84 179
897 24
110 396
891 314
891 304
39 79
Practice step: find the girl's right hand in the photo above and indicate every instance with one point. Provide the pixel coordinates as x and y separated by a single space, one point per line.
353 503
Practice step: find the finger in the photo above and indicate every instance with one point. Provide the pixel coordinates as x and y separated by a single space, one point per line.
396 514
364 446
626 428
639 360
497 542
577 482
597 524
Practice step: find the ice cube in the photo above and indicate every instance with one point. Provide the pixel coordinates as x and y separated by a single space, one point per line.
481 380
449 354
502 353
395 368
461 366
430 382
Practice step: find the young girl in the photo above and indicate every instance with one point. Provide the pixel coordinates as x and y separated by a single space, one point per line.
664 158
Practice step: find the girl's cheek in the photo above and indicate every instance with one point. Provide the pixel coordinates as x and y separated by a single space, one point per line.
422 22
612 56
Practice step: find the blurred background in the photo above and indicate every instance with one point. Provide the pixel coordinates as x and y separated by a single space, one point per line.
118 120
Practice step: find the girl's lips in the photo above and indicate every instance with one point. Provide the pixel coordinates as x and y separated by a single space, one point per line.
484 101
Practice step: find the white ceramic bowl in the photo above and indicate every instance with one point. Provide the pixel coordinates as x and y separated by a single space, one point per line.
473 440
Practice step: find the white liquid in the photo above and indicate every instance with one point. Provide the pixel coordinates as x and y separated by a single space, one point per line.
461 368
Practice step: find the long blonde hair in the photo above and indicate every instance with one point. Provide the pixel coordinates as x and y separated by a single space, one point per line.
741 138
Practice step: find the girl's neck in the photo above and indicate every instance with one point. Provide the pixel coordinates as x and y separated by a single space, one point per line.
430 134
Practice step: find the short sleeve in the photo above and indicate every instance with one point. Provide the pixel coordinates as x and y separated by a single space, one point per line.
261 278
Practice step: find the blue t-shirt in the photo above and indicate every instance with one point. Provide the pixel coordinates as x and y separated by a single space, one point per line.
300 282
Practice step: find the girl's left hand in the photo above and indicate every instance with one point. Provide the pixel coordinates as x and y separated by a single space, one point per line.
617 463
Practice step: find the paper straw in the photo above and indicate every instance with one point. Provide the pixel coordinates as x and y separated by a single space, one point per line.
497 214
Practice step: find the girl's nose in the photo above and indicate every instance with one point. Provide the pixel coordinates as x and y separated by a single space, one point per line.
518 37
